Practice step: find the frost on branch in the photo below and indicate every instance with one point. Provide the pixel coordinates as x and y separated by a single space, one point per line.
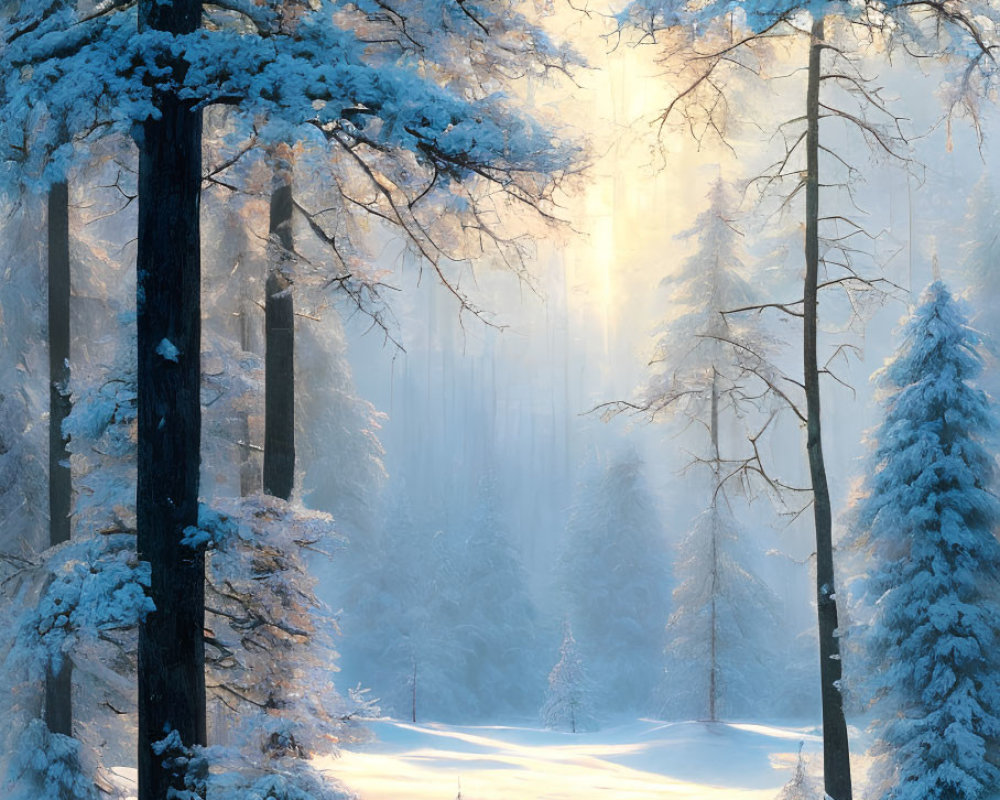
96 586
270 654
46 766
102 439
270 646
95 75
213 529
187 766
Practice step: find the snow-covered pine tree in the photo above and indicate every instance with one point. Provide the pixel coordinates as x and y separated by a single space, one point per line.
616 580
720 658
383 612
927 526
704 363
568 699
703 356
402 602
802 785
500 673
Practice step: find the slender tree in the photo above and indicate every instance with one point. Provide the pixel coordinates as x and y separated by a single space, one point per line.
710 363
836 748
720 653
802 785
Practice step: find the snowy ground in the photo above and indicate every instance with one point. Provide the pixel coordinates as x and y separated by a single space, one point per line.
636 761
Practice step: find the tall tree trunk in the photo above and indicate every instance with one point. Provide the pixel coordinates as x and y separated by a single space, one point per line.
249 469
171 660
836 752
279 335
713 675
58 686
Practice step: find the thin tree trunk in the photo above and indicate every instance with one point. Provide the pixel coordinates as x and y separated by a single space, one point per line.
713 674
249 471
279 356
58 686
171 660
836 752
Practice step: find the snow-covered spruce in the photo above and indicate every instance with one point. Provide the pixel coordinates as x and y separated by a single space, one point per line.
802 785
704 362
46 766
926 525
720 608
704 356
500 668
568 701
440 621
93 585
615 578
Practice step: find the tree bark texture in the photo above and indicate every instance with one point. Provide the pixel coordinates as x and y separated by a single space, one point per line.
279 336
836 751
58 691
171 660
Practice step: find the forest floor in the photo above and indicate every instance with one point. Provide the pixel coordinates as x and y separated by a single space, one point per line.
634 761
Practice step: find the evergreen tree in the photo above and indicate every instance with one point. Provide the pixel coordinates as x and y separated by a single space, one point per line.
802 785
616 579
385 615
568 698
720 657
499 622
704 356
927 525
705 362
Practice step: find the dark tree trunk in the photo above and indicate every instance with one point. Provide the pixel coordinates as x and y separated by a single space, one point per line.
279 355
58 691
171 648
836 752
